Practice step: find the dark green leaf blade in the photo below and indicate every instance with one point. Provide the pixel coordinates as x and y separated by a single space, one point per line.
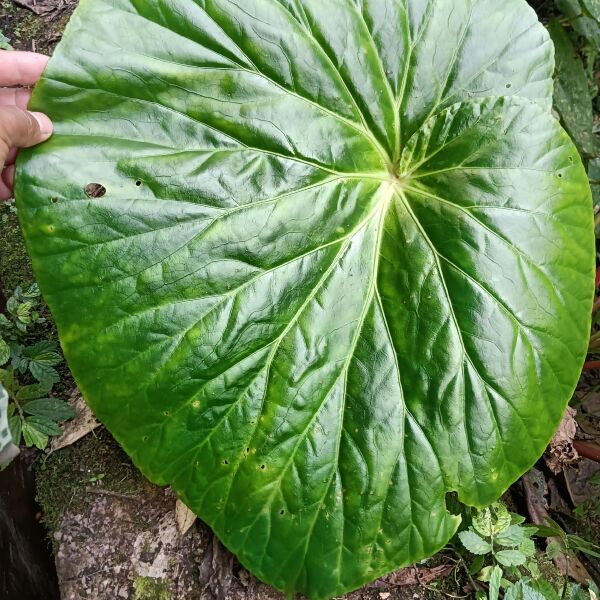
490 301
33 391
51 408
42 425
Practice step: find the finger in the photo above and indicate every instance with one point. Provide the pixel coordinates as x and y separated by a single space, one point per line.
15 97
12 157
7 181
21 68
21 129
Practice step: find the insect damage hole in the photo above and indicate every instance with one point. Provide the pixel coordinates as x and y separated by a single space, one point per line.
95 190
138 183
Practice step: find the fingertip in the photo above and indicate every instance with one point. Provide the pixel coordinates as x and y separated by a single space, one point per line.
8 176
21 68
45 124
7 179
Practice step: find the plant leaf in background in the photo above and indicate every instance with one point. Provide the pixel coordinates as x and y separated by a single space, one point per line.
4 42
50 408
4 352
33 436
315 263
572 97
584 17
495 579
41 360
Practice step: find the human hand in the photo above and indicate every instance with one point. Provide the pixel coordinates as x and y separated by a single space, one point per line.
19 128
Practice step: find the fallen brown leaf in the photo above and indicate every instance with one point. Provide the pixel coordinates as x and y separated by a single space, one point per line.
44 7
413 576
560 451
83 423
184 516
578 481
536 489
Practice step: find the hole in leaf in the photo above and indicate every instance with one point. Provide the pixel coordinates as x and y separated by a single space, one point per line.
282 512
145 438
453 506
54 200
508 86
225 461
95 190
263 466
138 183
560 175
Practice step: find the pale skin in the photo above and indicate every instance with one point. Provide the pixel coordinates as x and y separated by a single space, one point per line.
19 128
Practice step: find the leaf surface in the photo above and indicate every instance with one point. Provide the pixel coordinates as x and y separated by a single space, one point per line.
328 274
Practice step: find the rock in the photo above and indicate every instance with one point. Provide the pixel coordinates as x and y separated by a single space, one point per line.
124 547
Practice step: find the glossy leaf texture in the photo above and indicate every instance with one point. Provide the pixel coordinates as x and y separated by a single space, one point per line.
343 266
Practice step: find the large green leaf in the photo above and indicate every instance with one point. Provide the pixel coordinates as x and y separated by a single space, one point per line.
327 275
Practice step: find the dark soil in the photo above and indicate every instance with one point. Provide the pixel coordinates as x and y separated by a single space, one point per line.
28 31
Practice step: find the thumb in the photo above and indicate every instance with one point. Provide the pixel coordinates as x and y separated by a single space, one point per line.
21 129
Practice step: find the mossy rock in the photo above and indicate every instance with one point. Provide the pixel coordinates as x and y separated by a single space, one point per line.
148 588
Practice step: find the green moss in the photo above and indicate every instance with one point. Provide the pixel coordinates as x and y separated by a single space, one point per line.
28 28
549 571
15 265
63 476
20 25
147 588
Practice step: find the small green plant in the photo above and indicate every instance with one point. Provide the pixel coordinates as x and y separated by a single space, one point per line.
22 313
32 414
566 543
501 544
28 372
97 479
505 556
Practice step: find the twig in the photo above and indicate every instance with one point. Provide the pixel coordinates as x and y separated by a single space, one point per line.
93 490
587 450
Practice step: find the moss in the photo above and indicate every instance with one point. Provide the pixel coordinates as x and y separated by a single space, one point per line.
63 476
147 588
549 571
28 28
15 265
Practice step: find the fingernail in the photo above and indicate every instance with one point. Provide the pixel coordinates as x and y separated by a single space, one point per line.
44 122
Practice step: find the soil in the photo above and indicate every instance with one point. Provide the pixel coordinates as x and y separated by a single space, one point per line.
28 31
